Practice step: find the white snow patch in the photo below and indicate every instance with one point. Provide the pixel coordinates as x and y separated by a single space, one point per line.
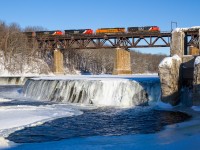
176 57
180 29
168 61
16 116
197 61
5 143
4 100
186 29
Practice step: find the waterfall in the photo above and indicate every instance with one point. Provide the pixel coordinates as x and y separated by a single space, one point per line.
100 92
12 80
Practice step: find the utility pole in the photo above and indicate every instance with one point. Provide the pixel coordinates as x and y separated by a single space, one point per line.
172 24
199 39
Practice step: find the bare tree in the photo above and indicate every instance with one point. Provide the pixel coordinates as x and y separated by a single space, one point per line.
34 28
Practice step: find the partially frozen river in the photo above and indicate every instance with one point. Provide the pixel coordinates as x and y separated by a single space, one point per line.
47 122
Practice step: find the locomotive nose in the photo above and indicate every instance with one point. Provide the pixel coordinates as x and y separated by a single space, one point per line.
59 33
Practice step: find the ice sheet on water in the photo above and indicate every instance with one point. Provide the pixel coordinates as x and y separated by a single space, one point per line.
182 136
16 117
16 114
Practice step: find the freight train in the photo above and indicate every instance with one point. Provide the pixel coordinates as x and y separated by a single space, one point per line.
99 31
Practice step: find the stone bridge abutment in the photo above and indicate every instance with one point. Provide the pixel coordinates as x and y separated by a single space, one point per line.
180 74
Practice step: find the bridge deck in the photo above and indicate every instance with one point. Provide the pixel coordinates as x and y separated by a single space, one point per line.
97 41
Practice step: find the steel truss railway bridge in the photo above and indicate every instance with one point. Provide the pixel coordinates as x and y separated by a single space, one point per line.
125 40
121 42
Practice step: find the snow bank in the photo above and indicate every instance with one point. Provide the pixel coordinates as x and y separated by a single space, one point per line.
16 116
5 143
167 62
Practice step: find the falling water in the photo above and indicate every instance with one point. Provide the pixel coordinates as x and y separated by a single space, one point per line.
103 92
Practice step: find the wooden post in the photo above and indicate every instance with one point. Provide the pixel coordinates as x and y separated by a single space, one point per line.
58 62
122 63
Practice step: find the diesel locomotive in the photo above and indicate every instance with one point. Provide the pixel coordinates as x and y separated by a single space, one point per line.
43 33
79 31
110 30
143 29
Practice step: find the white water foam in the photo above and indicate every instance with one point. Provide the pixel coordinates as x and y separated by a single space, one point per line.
99 92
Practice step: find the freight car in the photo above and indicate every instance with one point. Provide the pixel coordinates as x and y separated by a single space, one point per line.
143 29
78 31
110 30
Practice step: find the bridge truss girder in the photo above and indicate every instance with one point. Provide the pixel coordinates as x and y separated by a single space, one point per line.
125 41
193 40
105 41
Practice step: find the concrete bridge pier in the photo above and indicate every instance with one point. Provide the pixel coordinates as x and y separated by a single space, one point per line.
122 64
58 62
177 45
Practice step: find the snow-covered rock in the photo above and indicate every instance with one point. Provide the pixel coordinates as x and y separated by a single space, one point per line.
169 77
196 82
168 61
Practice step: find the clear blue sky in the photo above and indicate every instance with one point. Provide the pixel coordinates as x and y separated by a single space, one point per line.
75 14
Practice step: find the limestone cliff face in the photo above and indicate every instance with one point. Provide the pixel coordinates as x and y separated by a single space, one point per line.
169 77
196 82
